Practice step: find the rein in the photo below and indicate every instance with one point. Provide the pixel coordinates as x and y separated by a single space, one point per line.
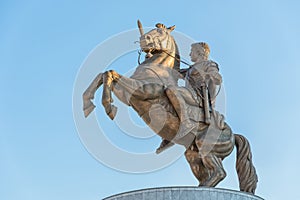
165 86
176 58
165 51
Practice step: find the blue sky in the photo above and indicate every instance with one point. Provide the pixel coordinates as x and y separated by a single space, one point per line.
43 45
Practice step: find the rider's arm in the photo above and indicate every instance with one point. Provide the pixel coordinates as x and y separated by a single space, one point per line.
213 73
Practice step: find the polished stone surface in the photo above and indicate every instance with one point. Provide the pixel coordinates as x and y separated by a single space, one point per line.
184 193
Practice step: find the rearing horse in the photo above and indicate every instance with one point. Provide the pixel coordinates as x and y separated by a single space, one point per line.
145 91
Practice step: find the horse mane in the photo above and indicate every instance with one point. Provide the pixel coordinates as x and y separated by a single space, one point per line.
177 57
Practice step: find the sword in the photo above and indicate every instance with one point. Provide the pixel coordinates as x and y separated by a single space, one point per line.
205 100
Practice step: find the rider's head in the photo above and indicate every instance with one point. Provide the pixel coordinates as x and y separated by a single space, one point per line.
200 51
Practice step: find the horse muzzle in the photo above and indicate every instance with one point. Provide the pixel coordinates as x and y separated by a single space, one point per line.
146 43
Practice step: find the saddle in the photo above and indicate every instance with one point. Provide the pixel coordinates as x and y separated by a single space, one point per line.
196 114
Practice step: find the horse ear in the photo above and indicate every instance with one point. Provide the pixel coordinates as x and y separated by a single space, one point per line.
159 25
172 28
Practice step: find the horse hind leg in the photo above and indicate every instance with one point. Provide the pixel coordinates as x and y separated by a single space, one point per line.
197 167
216 171
89 94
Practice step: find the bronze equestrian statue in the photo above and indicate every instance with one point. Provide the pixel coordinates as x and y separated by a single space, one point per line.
149 92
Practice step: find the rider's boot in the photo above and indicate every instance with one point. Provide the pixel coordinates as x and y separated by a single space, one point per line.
185 127
165 144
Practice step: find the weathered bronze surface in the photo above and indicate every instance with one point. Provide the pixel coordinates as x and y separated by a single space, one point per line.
183 115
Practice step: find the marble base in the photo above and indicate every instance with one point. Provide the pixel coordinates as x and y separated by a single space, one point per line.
184 193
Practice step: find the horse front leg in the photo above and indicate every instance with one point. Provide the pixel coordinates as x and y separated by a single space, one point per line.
125 89
89 94
108 78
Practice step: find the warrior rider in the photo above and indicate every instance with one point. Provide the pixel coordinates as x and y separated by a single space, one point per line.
203 77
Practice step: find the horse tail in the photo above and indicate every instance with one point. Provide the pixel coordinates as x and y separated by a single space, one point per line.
244 166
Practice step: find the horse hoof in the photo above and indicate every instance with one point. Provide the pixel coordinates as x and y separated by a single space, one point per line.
113 112
88 108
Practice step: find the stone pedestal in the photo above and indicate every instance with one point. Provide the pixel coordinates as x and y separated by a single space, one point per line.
184 193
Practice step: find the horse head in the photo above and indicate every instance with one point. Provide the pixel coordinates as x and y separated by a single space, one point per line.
160 46
157 40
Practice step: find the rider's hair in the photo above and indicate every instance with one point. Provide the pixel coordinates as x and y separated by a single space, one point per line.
201 45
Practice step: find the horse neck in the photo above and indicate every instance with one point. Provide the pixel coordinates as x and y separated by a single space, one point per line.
177 56
167 58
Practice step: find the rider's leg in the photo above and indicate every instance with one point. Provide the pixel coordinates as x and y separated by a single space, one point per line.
187 96
179 97
175 96
179 105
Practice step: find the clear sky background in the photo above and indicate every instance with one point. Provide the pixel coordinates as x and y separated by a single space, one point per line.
44 43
